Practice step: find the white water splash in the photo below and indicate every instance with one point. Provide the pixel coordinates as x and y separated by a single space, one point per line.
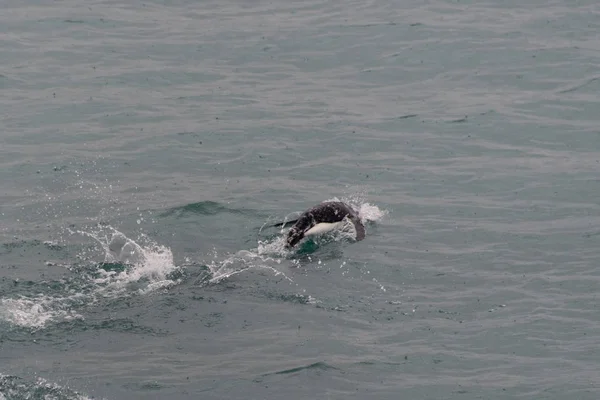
140 269
36 312
275 247
367 212
371 213
150 264
242 261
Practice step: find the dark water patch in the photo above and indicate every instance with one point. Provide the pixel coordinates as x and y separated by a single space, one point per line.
318 368
288 297
58 24
53 336
591 234
29 245
212 319
307 247
581 85
147 386
407 116
459 120
53 333
201 208
112 266
199 276
125 325
373 363
178 275
323 248
32 288
122 304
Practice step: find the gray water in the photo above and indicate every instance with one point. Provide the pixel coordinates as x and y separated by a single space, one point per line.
145 147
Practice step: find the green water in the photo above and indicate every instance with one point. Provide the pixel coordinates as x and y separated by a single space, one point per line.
466 133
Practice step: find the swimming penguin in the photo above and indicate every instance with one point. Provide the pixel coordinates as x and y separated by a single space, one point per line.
323 218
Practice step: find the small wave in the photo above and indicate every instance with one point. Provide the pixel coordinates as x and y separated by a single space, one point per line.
317 367
201 208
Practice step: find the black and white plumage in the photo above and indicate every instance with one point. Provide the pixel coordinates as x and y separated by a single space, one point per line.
323 218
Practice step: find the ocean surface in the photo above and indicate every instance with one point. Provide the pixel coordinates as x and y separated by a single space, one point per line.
147 146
